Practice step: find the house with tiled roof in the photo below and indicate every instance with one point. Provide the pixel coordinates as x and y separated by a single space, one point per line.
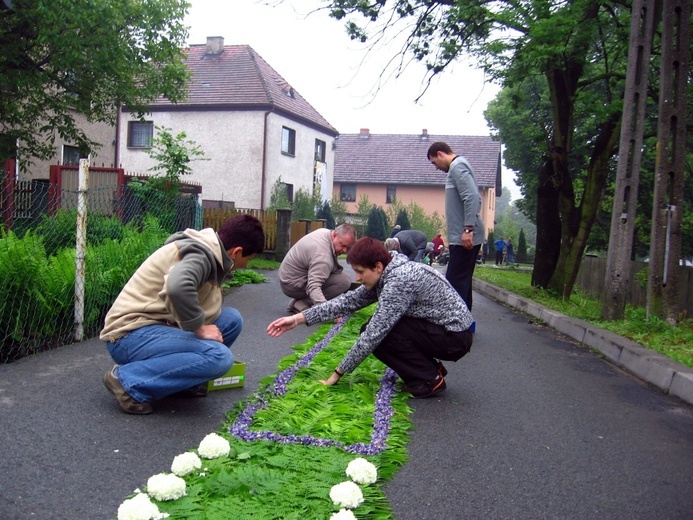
388 167
255 129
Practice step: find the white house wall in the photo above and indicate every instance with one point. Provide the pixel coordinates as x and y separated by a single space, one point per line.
233 144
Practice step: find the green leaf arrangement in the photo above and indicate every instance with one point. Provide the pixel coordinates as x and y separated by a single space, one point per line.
266 479
244 276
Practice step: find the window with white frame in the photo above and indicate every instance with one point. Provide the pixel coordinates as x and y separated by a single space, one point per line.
288 141
140 134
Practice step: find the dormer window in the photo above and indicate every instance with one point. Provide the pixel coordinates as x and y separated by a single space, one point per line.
290 92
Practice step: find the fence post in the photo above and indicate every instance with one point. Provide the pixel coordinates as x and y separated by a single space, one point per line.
283 242
81 246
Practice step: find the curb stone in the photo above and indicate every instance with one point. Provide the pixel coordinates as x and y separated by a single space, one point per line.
652 367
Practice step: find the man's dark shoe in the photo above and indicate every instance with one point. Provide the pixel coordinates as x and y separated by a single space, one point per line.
442 371
126 402
196 391
427 389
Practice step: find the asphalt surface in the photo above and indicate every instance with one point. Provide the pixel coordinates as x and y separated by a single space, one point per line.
532 426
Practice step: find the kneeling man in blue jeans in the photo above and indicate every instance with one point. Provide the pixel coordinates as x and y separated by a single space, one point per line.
167 329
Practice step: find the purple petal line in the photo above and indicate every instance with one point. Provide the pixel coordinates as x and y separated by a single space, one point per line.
381 416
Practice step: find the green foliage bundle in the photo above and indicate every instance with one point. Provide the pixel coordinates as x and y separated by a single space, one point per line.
37 289
268 480
403 219
59 230
339 210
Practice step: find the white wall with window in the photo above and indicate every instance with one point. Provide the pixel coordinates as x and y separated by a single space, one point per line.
239 146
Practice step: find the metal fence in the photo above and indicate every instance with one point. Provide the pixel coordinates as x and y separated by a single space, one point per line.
53 292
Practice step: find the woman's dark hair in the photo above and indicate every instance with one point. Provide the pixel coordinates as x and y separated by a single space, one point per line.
243 231
367 252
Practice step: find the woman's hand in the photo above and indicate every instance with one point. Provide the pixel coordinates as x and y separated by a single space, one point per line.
281 325
333 379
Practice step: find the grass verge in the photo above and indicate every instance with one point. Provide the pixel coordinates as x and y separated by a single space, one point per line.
673 341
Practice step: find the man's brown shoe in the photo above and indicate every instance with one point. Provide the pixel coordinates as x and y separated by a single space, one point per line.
126 402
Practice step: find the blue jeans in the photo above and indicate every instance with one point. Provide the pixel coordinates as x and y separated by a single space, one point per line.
157 360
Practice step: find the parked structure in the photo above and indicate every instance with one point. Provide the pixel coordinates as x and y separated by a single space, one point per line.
252 125
386 167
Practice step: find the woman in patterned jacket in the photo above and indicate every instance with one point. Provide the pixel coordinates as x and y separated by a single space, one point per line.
419 319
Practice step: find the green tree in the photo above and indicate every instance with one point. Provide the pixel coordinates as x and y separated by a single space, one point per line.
325 212
339 209
89 57
521 254
279 198
363 209
403 219
376 227
304 205
579 51
173 155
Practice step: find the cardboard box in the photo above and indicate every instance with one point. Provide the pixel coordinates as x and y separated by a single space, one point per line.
234 378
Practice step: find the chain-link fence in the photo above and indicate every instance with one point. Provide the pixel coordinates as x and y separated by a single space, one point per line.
66 252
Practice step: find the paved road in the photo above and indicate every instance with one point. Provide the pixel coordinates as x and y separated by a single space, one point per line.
531 426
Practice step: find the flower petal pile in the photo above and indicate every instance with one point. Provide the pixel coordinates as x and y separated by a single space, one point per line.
185 463
213 446
139 507
166 486
362 471
346 494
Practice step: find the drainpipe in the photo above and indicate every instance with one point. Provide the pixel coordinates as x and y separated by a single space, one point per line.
264 162
116 142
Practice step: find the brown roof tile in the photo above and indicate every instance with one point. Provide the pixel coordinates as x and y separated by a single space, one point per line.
239 79
401 159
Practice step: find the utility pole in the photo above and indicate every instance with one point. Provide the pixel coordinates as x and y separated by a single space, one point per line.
665 238
618 260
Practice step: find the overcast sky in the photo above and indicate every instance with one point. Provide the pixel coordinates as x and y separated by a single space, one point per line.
313 53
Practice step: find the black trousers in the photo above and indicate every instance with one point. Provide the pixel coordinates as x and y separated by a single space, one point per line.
461 269
413 347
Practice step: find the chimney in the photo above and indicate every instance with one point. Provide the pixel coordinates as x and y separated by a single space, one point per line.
424 133
364 133
215 45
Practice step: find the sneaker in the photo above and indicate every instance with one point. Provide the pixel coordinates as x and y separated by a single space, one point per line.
427 389
126 402
200 390
442 371
291 309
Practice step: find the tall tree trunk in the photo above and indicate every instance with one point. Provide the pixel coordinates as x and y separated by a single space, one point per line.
576 223
548 228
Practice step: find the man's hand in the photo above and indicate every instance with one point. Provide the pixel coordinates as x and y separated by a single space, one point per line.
467 240
210 332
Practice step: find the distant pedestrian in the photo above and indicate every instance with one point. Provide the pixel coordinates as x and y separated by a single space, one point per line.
395 230
410 242
500 249
509 252
438 246
484 251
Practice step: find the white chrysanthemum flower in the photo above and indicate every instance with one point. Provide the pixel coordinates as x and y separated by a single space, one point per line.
166 486
346 494
185 463
139 507
362 471
343 514
213 446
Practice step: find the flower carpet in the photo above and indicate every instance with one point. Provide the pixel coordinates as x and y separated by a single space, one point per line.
295 449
